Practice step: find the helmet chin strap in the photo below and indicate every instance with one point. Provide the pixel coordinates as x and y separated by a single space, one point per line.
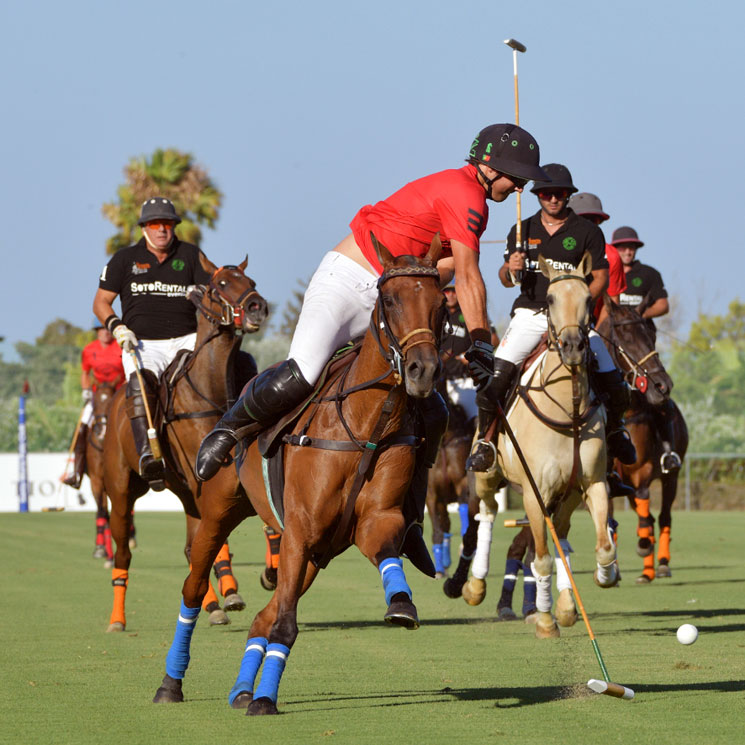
151 244
487 182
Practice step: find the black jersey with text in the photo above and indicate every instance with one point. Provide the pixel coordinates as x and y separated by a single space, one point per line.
152 294
455 342
564 250
640 280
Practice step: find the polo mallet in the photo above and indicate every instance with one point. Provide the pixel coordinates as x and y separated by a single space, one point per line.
71 451
519 523
152 435
516 47
599 686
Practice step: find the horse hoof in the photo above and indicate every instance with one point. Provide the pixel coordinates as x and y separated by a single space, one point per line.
233 602
99 552
268 579
612 581
474 591
452 588
546 628
242 700
402 613
440 575
132 544
531 617
644 547
219 617
108 564
169 692
115 627
261 706
566 617
643 579
663 570
506 614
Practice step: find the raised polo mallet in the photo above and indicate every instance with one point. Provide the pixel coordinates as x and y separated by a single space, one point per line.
152 435
516 47
599 686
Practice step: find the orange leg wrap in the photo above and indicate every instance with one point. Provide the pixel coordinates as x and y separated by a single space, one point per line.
272 547
120 580
649 566
210 598
224 572
663 551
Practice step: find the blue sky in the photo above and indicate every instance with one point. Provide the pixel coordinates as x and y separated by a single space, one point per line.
304 112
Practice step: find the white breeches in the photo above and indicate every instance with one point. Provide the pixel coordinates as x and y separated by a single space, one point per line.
337 307
525 330
156 354
463 391
87 416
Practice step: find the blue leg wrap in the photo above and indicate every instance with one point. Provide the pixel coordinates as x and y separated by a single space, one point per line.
511 569
446 561
177 659
529 590
437 554
463 513
394 579
274 666
250 664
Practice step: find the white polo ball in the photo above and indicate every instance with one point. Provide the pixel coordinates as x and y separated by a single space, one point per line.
687 633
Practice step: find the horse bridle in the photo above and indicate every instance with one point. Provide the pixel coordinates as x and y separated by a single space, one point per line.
398 348
232 313
555 336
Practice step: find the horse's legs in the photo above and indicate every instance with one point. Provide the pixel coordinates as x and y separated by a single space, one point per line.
669 490
268 577
645 531
121 515
435 515
453 586
474 591
227 583
513 565
606 572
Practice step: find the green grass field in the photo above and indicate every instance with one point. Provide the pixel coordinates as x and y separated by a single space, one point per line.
351 679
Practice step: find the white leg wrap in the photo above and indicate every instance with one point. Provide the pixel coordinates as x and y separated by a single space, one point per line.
562 578
543 600
480 566
606 574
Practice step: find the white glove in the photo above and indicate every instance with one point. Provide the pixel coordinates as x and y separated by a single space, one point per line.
87 394
125 338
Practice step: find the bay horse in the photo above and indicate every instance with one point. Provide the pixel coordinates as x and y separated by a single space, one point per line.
631 343
349 461
203 388
562 428
448 480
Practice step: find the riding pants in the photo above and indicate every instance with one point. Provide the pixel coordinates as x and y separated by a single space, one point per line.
524 332
87 416
337 307
156 354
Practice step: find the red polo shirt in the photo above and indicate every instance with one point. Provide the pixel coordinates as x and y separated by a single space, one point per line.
105 362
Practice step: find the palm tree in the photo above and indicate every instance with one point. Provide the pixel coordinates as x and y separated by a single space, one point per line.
167 173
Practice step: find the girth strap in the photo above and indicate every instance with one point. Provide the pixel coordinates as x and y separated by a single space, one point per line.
315 442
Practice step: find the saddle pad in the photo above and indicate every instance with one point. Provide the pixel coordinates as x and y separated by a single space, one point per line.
273 471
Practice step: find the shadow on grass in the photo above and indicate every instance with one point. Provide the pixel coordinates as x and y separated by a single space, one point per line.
688 612
379 623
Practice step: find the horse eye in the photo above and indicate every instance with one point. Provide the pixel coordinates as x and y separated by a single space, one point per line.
388 301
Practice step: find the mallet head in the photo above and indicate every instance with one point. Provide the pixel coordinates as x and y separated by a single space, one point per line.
516 45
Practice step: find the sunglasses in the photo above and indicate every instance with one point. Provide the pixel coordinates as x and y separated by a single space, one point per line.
518 182
546 194
160 225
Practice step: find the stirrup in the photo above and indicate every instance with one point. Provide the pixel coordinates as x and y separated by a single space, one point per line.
677 463
482 459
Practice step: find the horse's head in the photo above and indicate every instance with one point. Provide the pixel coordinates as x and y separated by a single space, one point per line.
409 314
569 300
633 349
230 298
102 398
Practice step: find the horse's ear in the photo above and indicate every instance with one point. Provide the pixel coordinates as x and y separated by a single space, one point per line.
644 304
585 265
544 266
384 255
435 248
242 266
207 265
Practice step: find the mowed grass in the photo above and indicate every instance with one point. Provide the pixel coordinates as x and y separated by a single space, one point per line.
462 677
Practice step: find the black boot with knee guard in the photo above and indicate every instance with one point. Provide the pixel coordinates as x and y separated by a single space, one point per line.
615 393
151 468
270 395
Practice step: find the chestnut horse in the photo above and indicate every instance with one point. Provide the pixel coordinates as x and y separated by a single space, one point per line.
346 479
631 343
200 396
562 432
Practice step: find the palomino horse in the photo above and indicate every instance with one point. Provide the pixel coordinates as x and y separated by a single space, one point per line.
448 481
358 443
201 394
632 345
563 432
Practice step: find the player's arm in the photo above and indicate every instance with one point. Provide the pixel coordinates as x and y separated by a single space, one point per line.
103 305
471 290
658 308
598 283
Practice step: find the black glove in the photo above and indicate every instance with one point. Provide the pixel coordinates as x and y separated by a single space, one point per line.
480 356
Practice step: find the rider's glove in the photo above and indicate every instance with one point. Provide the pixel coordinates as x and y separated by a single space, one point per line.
480 356
125 338
87 394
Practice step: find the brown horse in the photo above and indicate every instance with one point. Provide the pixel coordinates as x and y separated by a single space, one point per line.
346 478
631 341
200 395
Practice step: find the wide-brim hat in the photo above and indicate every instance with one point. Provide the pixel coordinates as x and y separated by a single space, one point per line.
508 149
559 177
158 208
585 203
97 324
626 235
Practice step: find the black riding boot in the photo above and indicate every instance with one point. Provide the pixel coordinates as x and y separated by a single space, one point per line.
614 390
151 468
664 421
76 477
434 413
482 457
270 394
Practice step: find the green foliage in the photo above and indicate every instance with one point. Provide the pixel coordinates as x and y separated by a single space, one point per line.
267 349
168 173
